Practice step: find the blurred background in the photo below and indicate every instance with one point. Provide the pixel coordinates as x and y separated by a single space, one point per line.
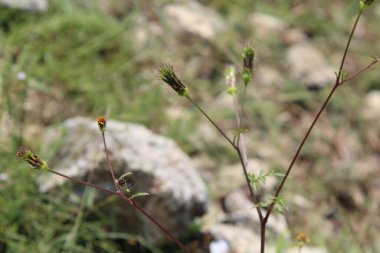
63 59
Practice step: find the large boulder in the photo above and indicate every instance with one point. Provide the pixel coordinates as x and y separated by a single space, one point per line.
371 109
195 19
27 5
159 167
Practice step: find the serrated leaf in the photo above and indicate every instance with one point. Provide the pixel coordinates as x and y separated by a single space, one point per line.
254 186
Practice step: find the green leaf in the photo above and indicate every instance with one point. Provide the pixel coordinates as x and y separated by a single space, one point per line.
138 195
125 175
280 204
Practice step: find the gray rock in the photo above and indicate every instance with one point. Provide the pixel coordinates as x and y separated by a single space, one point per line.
4 176
239 239
293 36
232 177
193 18
204 134
308 66
146 31
265 24
240 211
27 5
267 76
219 246
371 108
301 202
206 166
159 167
307 250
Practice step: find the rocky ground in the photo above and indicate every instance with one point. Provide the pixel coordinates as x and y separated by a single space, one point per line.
64 64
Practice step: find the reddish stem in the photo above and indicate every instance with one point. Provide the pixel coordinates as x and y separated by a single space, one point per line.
338 82
109 163
130 202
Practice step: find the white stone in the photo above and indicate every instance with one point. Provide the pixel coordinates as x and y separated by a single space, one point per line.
21 76
371 108
27 5
240 239
194 18
3 176
219 246
241 211
264 24
307 250
308 65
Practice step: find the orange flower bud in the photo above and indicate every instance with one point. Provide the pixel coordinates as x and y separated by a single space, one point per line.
102 123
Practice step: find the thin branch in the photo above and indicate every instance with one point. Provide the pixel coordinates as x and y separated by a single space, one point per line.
238 150
166 232
253 196
347 46
336 85
211 121
240 137
238 121
82 182
300 148
360 71
130 202
109 163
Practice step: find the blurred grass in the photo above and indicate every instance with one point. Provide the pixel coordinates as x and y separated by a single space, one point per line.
35 222
83 60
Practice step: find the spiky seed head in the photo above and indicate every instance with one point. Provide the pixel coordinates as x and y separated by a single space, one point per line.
248 63
166 73
248 58
28 156
365 4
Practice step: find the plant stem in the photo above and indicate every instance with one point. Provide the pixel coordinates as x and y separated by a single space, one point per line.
242 153
166 232
109 163
240 137
300 148
253 196
238 150
130 202
352 76
211 121
338 82
262 235
82 182
347 46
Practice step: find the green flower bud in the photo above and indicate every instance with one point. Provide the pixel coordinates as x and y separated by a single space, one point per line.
247 76
167 74
229 76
